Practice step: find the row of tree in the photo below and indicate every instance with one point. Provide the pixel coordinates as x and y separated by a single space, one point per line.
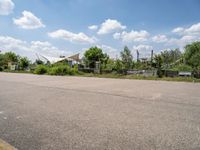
168 59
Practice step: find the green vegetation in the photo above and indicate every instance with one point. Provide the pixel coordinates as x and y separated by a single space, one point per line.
167 61
192 55
140 77
62 69
23 63
182 67
41 69
93 55
127 58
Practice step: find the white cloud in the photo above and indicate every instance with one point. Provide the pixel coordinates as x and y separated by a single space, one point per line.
46 48
112 52
9 43
117 35
93 27
133 36
192 30
29 49
181 42
144 50
178 30
110 26
186 35
159 38
142 47
28 21
6 7
72 37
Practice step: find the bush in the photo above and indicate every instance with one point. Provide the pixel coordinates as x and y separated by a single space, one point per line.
1 69
59 70
75 69
183 67
41 69
56 69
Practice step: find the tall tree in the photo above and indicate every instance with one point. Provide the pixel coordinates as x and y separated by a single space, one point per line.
158 59
192 54
127 58
95 54
170 57
11 57
1 60
24 63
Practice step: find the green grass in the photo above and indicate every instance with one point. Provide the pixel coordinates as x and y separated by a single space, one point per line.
120 76
140 77
17 71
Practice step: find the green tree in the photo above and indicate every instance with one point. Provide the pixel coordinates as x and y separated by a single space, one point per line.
158 60
6 58
94 54
176 54
170 57
192 54
1 60
127 58
118 65
23 63
10 57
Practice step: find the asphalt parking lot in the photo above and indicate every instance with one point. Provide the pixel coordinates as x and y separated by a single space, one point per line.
79 113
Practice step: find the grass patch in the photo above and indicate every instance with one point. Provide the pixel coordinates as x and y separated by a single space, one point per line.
141 77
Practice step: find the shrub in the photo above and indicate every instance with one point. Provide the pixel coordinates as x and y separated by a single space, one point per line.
1 69
183 67
41 69
60 70
75 69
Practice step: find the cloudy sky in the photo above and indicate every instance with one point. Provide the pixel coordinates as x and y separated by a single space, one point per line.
64 27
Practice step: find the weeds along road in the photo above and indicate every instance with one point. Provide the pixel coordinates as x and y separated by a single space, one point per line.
65 113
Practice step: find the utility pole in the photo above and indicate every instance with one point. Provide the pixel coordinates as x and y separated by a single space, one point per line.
151 56
138 56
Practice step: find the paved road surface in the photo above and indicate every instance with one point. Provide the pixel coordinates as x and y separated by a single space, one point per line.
61 113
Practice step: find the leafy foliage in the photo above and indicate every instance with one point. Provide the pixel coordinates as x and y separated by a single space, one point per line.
41 69
118 65
24 63
61 70
10 57
95 54
192 54
158 64
182 67
127 58
170 56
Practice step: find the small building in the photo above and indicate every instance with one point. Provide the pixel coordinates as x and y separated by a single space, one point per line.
12 66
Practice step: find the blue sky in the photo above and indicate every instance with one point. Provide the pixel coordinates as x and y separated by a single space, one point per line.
65 27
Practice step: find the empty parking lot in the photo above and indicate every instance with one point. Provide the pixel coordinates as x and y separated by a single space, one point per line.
59 113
